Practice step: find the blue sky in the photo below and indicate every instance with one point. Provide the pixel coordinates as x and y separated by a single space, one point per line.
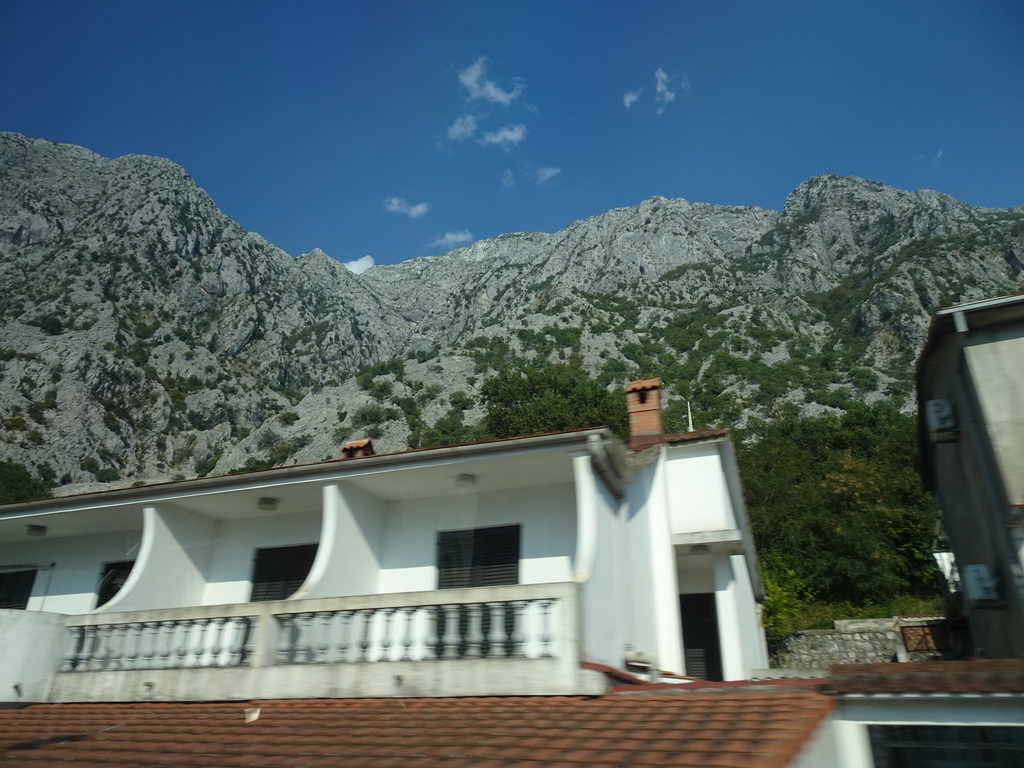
400 129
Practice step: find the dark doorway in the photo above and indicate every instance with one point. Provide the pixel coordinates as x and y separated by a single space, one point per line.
112 578
703 651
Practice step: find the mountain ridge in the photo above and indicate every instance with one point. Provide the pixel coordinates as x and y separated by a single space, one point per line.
147 336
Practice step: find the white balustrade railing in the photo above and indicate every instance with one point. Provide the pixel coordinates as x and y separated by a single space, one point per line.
224 641
483 623
498 629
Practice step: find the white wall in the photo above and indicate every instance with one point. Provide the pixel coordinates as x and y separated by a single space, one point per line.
996 360
648 572
696 574
348 560
33 646
171 570
70 587
597 568
408 554
740 633
230 575
698 489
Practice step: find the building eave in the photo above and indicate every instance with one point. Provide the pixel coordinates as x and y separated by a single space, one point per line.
324 470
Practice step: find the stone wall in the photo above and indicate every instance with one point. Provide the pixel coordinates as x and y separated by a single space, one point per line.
855 641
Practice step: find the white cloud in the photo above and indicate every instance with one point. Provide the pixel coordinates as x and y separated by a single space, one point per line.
474 78
451 239
401 205
937 157
462 128
508 180
505 137
546 174
662 93
630 98
359 265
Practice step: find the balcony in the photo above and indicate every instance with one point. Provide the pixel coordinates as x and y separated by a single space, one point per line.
512 640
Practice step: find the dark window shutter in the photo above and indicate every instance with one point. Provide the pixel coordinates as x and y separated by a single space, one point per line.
703 651
279 571
112 578
485 557
454 559
16 588
497 561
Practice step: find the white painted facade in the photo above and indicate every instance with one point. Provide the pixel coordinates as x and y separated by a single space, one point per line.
614 544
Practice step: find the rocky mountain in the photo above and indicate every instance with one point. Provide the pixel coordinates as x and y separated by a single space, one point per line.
146 336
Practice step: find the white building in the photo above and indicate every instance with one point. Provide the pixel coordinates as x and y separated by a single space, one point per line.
535 565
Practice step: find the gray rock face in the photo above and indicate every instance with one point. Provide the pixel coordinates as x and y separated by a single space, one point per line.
146 336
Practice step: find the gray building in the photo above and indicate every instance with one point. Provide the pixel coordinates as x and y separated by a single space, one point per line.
970 389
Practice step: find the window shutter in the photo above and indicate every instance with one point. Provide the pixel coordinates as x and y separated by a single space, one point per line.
485 557
279 571
454 559
497 560
16 588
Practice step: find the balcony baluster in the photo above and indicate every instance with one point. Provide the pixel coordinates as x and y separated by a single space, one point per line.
323 648
199 650
409 614
498 637
343 641
474 632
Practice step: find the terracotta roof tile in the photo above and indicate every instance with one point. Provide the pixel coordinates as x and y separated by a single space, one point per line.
929 677
760 729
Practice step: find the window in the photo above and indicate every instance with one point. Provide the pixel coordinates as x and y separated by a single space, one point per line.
112 578
947 746
16 588
481 557
279 571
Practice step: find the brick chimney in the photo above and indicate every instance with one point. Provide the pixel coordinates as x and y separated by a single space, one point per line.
643 401
357 449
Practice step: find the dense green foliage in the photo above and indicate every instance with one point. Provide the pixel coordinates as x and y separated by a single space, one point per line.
549 398
837 512
18 484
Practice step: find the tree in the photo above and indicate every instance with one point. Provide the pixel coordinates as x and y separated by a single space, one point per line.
549 399
836 505
18 484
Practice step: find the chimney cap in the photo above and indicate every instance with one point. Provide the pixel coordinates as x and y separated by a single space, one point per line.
357 448
642 384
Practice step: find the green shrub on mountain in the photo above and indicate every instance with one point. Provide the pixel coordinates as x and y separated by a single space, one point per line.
18 484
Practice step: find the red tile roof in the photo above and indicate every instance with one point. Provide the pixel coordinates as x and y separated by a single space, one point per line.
641 442
753 730
971 676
